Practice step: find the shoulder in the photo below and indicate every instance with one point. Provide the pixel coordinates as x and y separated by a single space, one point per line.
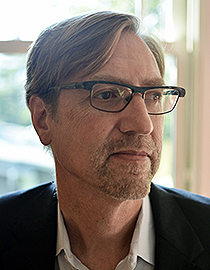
29 194
28 226
24 202
169 201
22 209
182 232
182 197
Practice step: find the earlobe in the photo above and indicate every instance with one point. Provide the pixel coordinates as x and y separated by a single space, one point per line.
40 115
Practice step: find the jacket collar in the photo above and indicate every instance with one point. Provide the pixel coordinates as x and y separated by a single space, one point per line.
177 244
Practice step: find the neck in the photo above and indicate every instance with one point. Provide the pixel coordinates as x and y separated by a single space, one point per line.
100 228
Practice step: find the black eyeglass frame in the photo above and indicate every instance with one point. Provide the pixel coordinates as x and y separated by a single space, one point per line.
88 85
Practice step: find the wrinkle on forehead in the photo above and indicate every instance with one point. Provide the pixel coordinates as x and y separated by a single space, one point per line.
156 81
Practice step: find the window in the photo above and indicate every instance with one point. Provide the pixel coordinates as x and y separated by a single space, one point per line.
22 160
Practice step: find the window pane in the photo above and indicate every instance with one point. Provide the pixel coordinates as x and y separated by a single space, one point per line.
23 162
158 18
166 172
25 19
12 77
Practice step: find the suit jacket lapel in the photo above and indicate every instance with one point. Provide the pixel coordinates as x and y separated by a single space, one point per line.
177 245
34 233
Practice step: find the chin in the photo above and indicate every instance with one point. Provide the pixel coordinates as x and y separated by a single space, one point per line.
125 189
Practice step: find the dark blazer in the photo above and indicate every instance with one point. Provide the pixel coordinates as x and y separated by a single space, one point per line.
28 226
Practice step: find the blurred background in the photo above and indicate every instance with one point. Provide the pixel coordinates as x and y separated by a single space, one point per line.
182 26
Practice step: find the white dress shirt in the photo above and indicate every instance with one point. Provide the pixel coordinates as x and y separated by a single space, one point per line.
142 250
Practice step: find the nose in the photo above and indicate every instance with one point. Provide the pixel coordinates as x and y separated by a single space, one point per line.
135 118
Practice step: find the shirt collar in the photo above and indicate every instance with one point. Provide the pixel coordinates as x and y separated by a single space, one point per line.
142 244
62 236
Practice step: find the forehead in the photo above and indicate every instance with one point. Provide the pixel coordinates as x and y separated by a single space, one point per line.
131 44
132 62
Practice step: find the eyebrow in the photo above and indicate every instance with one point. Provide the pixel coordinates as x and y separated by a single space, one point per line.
147 82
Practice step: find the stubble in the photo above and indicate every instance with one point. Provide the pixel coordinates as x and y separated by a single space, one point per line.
126 180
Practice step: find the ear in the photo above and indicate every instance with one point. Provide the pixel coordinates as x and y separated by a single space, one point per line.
40 116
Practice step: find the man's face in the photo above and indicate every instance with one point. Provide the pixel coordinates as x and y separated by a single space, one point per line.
116 154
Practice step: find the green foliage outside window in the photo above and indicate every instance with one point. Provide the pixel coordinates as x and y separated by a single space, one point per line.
12 78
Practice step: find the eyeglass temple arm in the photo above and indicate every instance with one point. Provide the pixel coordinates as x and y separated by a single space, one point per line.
77 85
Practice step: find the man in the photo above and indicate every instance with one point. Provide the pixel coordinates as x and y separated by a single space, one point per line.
96 94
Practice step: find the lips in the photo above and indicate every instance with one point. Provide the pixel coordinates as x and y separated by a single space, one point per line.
132 155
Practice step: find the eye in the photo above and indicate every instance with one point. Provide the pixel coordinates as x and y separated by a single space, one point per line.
112 94
154 95
106 95
110 97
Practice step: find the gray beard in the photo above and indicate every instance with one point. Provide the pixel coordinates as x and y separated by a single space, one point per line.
128 181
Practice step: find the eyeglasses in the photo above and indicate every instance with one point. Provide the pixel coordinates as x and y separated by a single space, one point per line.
115 97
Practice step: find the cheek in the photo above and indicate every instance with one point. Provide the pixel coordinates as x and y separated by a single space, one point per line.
80 138
158 127
79 133
79 122
88 128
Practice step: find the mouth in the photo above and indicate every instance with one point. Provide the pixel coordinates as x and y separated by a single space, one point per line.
131 155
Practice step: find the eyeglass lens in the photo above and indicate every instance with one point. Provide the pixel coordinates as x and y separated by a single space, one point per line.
113 98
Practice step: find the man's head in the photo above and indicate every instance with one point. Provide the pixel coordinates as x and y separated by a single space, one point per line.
78 47
116 154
